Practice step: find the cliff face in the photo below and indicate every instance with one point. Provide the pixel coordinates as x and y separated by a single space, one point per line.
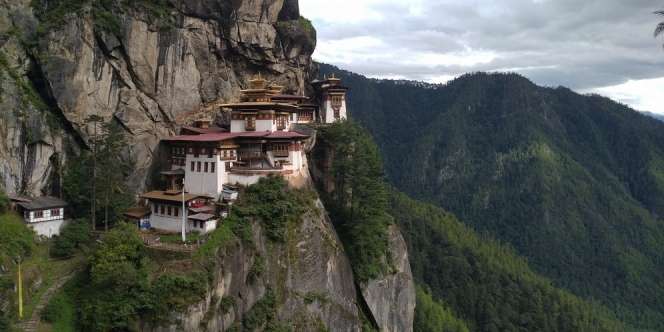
148 76
391 298
389 301
308 275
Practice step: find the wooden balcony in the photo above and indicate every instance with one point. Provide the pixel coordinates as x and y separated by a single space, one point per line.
247 155
280 153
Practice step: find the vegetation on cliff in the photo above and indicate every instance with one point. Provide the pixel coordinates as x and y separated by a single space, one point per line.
124 283
358 203
574 183
105 13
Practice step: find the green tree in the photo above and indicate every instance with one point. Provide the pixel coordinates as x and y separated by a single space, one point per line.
73 236
574 183
96 182
113 193
117 290
358 203
431 315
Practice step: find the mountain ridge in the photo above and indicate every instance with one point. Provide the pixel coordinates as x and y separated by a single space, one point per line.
574 183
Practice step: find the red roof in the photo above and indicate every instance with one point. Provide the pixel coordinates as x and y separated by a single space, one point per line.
285 134
218 137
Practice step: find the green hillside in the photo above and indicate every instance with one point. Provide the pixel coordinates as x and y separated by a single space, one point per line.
574 183
469 282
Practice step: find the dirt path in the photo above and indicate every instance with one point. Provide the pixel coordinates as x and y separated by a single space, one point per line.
32 324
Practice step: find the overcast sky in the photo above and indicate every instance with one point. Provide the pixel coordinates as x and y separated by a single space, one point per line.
602 46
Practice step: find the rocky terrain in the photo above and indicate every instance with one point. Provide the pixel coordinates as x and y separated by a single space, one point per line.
150 74
151 70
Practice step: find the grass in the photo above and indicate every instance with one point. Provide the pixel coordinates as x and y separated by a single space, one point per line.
49 270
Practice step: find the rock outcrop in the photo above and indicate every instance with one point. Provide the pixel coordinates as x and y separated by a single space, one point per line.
309 275
391 299
151 75
33 140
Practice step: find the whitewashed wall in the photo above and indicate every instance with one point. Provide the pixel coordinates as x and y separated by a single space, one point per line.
48 228
202 182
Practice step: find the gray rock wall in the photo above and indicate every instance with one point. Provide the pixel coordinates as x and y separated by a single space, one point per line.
310 275
391 298
149 78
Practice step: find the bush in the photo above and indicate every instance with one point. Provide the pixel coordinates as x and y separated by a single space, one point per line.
75 235
176 292
16 239
271 202
60 312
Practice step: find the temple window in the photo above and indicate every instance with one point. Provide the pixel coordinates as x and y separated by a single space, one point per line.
198 166
251 123
192 166
212 166
281 122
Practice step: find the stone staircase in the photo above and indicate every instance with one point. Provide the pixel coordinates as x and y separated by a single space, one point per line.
32 324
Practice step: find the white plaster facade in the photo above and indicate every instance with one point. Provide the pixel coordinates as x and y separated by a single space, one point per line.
163 221
238 126
327 111
48 228
205 178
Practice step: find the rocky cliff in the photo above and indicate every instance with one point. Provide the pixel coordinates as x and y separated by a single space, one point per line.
307 282
150 67
391 298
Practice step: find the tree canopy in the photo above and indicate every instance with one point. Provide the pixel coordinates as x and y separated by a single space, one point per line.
573 183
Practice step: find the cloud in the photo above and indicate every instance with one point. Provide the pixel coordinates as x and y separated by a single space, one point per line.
585 45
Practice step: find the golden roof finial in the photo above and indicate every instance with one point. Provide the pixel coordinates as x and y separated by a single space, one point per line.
257 82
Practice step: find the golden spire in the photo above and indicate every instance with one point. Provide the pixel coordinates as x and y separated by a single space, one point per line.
258 82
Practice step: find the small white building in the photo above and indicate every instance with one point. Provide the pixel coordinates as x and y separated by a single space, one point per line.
166 213
45 215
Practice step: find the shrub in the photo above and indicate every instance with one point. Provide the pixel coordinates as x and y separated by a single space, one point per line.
274 205
176 292
75 235
16 239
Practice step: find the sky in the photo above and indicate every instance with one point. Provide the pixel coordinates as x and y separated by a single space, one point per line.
592 46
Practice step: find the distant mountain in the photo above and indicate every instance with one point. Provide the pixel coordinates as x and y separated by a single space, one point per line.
574 183
659 117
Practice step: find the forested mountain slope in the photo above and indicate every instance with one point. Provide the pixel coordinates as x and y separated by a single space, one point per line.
468 282
574 183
